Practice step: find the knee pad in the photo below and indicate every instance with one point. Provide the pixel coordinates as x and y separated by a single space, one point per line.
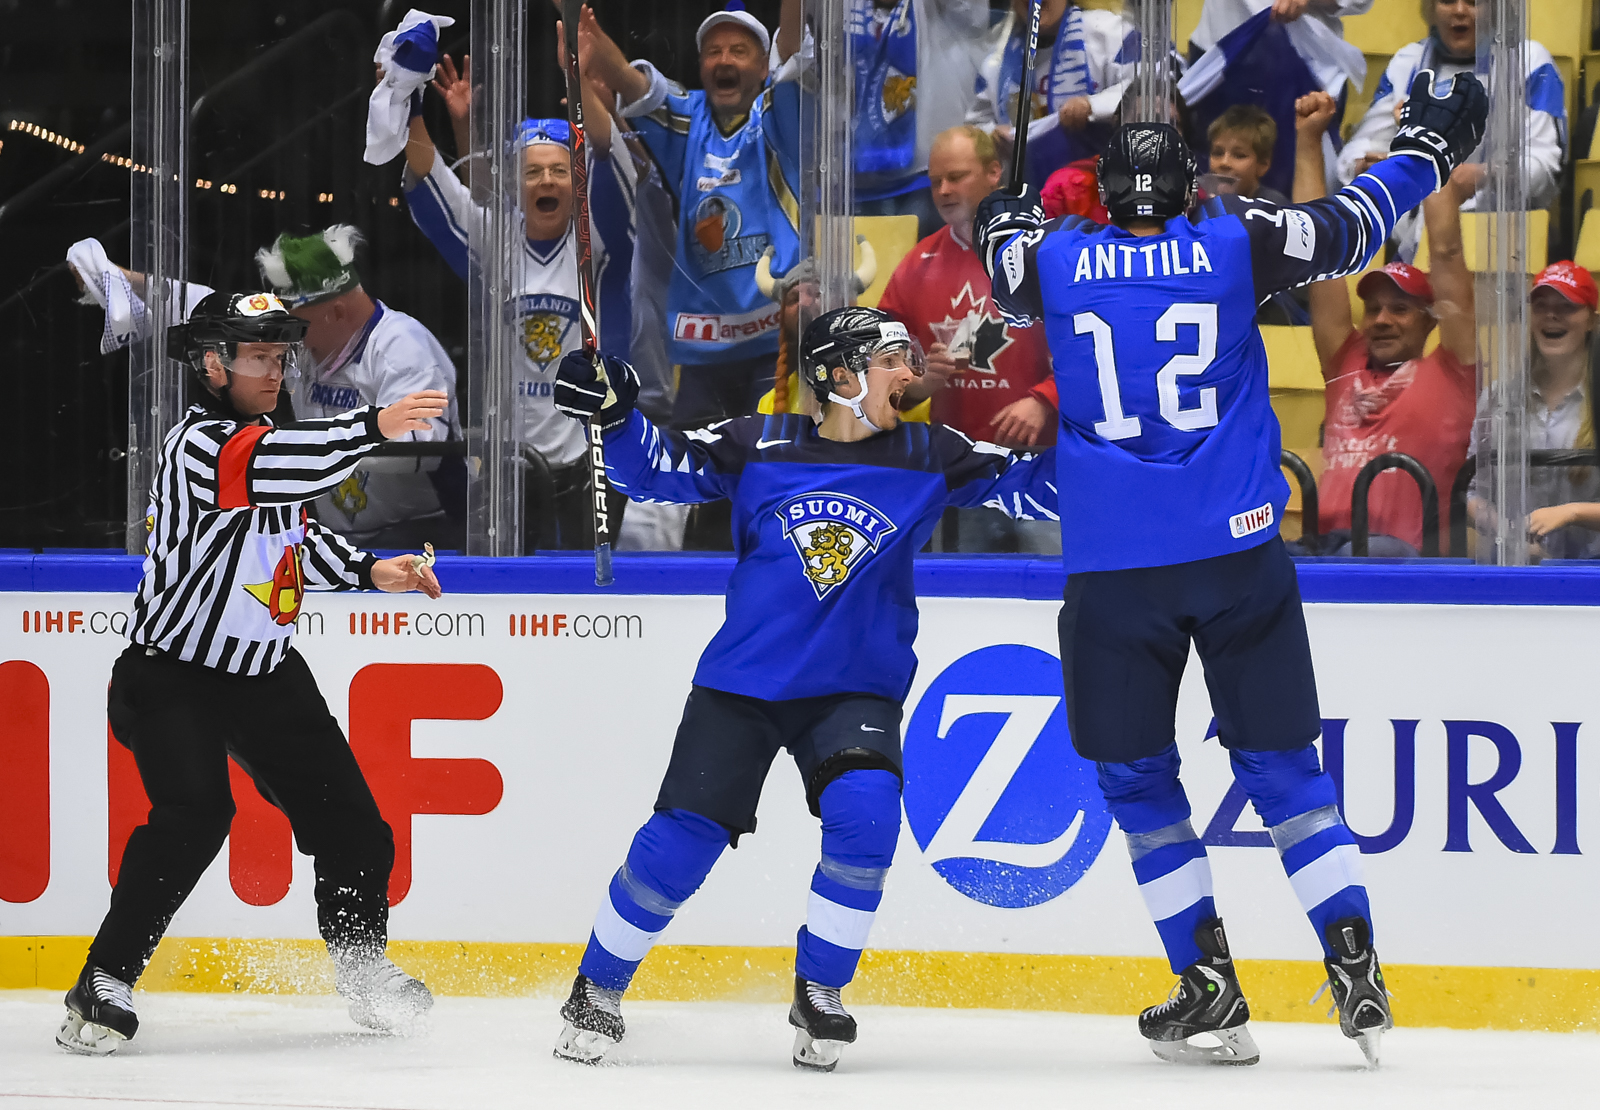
860 820
1284 784
1145 794
843 763
673 853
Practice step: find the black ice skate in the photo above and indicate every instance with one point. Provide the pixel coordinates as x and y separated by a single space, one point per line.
1358 989
382 997
1206 1003
594 1023
99 1014
822 1026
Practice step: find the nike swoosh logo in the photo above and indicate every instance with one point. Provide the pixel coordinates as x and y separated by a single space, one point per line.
763 444
869 728
929 254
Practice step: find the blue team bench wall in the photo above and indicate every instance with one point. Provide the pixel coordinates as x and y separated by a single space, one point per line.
1019 576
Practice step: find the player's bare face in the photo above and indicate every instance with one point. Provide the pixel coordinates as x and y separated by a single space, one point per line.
1457 21
1396 326
546 190
959 181
1232 155
1560 328
257 376
733 68
888 377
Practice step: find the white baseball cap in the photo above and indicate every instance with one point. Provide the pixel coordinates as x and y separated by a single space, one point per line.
734 15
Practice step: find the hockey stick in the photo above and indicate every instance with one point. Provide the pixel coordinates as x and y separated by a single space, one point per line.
1019 146
571 12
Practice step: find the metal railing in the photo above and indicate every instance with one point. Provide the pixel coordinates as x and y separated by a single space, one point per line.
1394 460
1310 508
1549 456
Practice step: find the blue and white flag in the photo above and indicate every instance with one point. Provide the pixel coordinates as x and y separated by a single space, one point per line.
1270 65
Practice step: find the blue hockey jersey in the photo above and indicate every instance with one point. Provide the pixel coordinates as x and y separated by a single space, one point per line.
736 195
1168 442
821 600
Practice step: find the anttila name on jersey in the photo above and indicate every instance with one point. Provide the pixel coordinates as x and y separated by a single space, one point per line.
1163 258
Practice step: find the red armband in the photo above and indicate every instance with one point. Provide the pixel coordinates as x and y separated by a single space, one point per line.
233 465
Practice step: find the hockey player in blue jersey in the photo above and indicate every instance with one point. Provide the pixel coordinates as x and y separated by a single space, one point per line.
814 656
1170 448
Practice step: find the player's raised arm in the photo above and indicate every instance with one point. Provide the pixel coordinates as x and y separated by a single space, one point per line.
643 461
1339 235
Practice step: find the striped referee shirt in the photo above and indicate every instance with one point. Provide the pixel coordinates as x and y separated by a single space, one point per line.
232 550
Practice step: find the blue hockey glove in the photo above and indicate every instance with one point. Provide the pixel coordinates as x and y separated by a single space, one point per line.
1001 215
1445 128
582 393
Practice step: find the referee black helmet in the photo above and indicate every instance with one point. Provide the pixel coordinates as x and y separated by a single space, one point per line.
1147 171
221 321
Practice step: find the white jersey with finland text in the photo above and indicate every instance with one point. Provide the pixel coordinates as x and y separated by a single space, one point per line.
392 356
546 309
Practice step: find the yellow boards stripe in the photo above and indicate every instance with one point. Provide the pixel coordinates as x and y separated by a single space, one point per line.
1550 999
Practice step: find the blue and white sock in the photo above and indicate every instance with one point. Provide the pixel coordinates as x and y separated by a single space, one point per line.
669 858
1298 803
860 827
1169 861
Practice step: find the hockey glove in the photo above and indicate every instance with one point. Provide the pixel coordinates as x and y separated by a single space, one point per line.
1444 128
1001 215
582 393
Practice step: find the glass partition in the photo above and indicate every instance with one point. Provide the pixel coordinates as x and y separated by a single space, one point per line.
831 171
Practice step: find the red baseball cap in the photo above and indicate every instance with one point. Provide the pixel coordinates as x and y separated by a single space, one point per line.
1410 280
1571 281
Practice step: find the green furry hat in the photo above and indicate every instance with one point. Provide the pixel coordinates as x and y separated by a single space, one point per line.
306 269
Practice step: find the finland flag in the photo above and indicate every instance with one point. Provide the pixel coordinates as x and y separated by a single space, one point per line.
1270 65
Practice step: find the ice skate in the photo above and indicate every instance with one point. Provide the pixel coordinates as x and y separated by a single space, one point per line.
822 1026
1207 1004
1359 993
382 996
99 1014
594 1023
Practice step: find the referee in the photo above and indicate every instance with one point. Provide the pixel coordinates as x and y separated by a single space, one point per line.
210 672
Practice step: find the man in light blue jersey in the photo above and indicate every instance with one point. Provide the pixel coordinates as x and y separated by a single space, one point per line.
1170 447
729 153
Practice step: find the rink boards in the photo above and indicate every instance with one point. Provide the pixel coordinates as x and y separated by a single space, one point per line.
515 741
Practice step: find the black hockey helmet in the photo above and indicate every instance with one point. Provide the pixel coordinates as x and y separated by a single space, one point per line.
1147 170
221 321
849 337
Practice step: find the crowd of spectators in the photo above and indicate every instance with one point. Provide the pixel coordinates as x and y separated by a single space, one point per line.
696 199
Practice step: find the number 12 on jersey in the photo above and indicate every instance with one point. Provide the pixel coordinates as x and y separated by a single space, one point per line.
1120 425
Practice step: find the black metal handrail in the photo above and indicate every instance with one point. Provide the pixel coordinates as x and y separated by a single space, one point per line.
1544 456
1394 460
1309 509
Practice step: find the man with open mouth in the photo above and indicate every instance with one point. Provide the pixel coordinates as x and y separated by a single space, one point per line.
547 302
729 154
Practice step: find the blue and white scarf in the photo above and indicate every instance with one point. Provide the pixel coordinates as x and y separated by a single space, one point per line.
1067 76
886 87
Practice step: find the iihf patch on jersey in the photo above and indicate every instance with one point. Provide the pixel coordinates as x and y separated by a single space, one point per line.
833 534
1243 524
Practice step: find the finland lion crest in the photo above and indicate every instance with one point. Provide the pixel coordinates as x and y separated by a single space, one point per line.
833 534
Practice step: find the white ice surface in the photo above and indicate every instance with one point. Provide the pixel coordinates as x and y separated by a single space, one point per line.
199 1050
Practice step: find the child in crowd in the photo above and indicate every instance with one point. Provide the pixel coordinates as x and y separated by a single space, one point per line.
1241 150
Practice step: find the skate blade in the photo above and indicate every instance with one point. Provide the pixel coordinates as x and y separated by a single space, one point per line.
815 1055
397 1021
582 1046
86 1038
1234 1047
1371 1041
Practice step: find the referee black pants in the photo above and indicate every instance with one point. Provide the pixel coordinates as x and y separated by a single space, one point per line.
182 721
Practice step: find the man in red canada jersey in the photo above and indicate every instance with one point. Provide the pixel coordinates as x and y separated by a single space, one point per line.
988 380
